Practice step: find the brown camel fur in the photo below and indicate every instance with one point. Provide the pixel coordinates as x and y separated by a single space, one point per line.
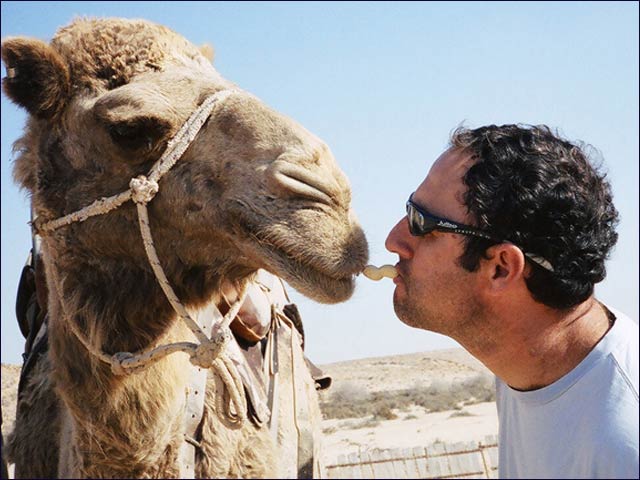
254 190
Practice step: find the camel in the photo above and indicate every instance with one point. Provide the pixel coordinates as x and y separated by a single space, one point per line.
250 189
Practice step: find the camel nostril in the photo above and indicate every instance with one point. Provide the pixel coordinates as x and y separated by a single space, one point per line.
289 179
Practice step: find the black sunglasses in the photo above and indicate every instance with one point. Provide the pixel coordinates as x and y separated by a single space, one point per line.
422 222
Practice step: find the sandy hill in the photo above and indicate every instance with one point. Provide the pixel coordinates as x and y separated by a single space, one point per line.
399 372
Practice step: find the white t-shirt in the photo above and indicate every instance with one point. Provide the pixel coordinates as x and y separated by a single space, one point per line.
584 425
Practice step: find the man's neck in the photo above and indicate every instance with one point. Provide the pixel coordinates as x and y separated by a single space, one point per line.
535 349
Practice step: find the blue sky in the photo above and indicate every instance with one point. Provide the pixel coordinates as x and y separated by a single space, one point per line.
384 84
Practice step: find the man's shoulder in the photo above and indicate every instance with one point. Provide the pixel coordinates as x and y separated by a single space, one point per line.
618 422
623 345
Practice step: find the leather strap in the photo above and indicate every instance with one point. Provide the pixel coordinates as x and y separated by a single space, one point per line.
253 386
271 368
301 405
194 398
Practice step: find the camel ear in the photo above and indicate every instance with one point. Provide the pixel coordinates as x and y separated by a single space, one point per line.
37 77
208 51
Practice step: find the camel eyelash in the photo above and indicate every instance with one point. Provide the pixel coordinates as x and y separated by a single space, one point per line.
138 134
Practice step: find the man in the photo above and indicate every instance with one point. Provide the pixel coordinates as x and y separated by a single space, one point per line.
500 249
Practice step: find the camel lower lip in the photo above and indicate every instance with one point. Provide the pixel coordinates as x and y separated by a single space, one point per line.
307 278
319 286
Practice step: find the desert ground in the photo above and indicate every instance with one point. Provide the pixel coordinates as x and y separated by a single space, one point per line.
388 387
459 418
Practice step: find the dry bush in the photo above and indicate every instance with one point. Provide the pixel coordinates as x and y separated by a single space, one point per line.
461 413
368 423
348 401
384 411
345 400
329 430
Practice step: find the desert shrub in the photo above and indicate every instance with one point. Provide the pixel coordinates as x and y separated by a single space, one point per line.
348 401
480 386
384 411
461 413
345 401
368 423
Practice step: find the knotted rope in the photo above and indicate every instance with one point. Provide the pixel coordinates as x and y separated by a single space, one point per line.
209 352
175 148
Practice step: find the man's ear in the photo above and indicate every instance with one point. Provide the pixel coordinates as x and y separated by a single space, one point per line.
37 77
505 265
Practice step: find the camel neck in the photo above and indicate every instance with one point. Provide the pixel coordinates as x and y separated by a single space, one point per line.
104 407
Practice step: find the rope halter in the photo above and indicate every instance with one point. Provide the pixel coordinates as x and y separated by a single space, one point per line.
209 352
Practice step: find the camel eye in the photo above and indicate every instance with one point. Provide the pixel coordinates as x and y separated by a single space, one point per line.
141 134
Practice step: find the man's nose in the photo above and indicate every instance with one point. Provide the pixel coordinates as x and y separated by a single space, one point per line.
399 239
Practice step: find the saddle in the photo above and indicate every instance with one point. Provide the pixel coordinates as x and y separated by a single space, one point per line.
265 297
266 307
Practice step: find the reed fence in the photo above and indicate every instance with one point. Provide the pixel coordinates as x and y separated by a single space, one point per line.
475 459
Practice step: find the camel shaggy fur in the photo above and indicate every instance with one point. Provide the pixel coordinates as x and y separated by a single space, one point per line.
253 190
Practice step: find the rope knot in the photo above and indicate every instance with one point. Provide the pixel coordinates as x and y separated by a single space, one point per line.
36 224
118 363
206 353
142 189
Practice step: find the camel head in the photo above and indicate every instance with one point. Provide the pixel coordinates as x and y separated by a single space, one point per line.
253 190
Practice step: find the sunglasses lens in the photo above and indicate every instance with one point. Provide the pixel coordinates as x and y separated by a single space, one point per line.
416 220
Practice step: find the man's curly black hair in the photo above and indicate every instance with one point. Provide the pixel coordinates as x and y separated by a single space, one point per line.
541 192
